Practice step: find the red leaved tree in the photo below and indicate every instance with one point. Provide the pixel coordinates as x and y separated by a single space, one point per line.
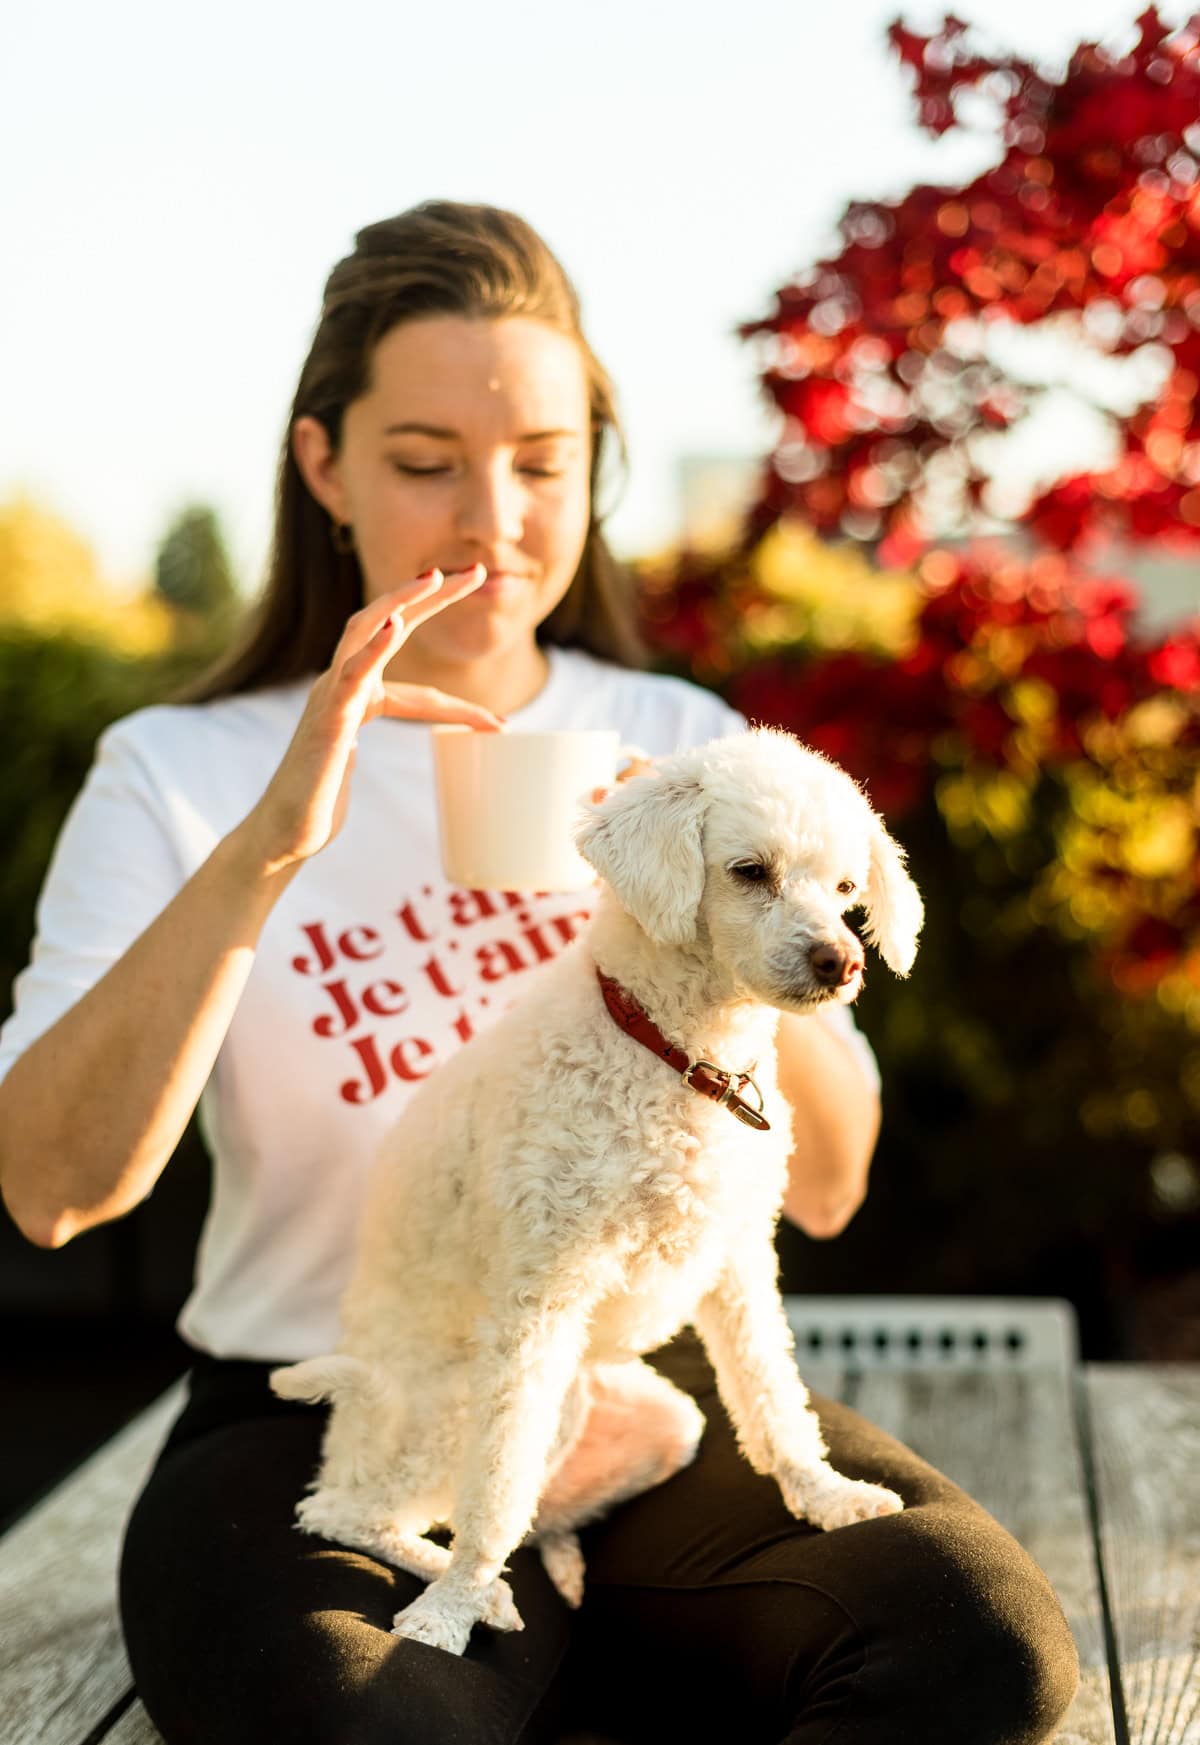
882 357
1033 745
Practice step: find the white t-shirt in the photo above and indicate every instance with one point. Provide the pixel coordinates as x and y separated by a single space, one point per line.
370 970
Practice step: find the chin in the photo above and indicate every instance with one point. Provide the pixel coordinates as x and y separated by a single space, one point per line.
802 1000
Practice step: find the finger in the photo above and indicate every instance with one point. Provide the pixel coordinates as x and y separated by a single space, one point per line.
424 703
454 588
411 604
352 687
429 586
362 625
374 653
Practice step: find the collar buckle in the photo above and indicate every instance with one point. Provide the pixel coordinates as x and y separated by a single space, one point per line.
729 1097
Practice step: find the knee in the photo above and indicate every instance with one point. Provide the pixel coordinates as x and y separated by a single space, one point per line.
1007 1665
1027 1672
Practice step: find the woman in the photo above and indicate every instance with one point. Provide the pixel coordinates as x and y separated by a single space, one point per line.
245 907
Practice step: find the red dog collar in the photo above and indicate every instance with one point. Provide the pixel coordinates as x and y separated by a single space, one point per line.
701 1075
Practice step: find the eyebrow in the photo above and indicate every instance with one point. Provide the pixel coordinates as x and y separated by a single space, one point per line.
454 436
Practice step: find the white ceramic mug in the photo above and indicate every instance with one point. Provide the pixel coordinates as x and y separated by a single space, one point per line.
508 804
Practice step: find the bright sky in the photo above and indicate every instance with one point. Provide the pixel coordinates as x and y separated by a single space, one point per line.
180 181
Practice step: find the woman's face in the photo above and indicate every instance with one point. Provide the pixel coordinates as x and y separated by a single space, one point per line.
473 444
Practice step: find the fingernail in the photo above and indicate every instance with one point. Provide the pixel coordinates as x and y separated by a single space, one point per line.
428 575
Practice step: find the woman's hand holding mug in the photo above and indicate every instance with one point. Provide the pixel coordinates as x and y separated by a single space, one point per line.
305 801
640 764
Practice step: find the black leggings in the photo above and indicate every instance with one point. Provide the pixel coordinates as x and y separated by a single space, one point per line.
710 1614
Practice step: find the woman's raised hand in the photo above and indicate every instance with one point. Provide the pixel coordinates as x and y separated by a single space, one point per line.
305 801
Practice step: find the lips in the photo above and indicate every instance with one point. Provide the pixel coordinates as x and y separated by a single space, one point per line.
498 581
494 570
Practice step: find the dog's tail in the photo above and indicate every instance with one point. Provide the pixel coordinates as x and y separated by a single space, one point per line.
329 1378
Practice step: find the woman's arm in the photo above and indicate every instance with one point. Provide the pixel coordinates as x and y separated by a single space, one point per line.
91 1112
835 1123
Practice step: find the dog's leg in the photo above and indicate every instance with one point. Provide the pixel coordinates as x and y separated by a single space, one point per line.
640 1430
519 1388
744 1327
358 1524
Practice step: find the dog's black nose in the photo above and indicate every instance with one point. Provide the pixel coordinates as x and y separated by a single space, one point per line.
832 966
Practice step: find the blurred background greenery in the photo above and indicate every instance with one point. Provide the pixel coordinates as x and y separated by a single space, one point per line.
1042 1062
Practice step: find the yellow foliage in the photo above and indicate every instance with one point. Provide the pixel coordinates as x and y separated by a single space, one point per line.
1160 841
50 581
978 799
832 595
1157 721
1032 701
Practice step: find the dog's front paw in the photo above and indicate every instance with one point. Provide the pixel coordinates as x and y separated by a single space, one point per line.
444 1619
828 1499
438 1622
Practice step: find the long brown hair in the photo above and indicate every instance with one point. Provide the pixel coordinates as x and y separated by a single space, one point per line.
441 257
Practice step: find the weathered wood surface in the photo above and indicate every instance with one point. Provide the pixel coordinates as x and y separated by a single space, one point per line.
134 1727
1009 1436
1145 1439
62 1663
1010 1440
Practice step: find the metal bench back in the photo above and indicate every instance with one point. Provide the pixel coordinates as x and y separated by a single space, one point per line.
935 1332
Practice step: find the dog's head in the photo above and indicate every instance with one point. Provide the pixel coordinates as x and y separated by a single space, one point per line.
760 845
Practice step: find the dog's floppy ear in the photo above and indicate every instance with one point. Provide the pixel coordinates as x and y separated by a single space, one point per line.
892 902
645 839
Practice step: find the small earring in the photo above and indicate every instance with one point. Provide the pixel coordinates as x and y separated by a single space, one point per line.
342 535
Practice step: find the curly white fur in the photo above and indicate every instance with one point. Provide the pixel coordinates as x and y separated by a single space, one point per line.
557 1202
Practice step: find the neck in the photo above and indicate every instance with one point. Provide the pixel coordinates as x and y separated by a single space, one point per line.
680 990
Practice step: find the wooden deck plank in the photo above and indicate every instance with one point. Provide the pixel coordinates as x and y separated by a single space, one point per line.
134 1728
1145 1436
63 1669
62 1662
978 1426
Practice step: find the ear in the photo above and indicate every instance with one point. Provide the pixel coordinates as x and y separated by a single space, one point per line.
645 839
892 903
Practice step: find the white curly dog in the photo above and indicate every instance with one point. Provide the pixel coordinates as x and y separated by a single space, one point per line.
586 1177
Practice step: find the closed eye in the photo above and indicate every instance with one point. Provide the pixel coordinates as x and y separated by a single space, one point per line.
751 872
439 472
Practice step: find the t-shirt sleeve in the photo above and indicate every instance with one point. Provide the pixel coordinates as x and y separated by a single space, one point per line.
113 870
723 718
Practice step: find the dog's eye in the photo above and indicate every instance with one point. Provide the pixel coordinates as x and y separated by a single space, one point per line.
753 871
847 886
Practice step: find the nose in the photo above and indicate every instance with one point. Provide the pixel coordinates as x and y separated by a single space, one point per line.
834 965
490 507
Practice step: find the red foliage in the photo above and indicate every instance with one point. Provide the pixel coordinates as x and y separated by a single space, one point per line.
881 359
880 362
1072 631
